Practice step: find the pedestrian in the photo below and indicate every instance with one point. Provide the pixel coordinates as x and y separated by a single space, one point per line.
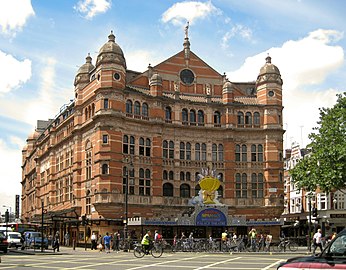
268 241
116 241
56 242
107 242
100 243
67 239
93 241
317 240
253 237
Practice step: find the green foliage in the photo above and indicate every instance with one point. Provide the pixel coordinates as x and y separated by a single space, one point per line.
326 166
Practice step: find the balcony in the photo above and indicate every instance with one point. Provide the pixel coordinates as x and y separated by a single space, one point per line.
118 198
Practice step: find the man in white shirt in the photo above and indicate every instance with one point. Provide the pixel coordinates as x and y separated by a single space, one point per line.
317 239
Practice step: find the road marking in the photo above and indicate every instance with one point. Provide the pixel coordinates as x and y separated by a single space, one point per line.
213 264
273 264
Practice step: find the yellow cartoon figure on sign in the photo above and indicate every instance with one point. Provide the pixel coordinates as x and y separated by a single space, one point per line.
209 185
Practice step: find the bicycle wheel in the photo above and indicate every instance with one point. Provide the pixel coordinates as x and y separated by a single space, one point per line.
293 246
277 247
138 252
156 251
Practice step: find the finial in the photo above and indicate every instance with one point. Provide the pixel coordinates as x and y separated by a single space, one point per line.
88 58
111 36
187 30
268 59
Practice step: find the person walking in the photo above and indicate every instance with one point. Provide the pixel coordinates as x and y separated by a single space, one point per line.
93 241
67 239
253 237
268 241
317 240
56 242
100 243
116 241
107 242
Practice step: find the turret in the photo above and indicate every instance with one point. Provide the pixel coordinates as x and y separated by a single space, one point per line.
155 84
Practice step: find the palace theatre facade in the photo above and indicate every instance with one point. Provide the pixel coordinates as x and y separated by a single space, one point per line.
152 134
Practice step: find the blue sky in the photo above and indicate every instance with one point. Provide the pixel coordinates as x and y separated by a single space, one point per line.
43 43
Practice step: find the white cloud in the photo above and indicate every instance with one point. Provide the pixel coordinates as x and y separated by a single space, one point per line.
13 73
14 14
303 64
190 11
10 159
91 8
237 30
140 59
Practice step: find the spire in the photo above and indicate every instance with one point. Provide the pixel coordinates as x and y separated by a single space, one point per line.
187 42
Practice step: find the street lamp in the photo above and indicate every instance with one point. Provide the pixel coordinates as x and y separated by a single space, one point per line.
128 168
335 202
309 195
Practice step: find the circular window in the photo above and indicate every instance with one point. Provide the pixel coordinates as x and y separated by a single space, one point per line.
116 76
271 93
187 76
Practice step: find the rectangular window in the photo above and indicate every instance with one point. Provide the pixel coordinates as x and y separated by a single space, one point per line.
105 103
105 139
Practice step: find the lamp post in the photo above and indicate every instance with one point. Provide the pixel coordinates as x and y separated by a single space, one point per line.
309 196
128 168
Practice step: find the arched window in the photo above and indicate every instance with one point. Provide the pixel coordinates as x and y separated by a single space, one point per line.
200 118
220 152
256 119
125 144
171 175
197 189
168 114
144 184
214 152
253 152
237 152
260 152
130 176
182 176
104 168
137 109
165 149
220 177
147 147
197 151
188 151
185 117
167 190
182 150
188 176
141 146
192 117
165 175
244 153
145 110
217 118
129 106
171 149
204 152
240 117
196 176
248 119
132 145
184 191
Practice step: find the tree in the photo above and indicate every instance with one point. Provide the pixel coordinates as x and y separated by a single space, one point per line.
325 167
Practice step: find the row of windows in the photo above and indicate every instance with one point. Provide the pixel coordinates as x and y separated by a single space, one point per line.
137 108
185 176
129 146
248 120
242 155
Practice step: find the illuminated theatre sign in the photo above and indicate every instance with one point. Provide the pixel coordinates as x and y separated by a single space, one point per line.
211 217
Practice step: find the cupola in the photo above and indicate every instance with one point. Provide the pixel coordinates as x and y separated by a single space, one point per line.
227 92
155 84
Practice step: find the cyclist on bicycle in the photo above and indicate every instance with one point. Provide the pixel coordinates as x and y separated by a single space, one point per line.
146 242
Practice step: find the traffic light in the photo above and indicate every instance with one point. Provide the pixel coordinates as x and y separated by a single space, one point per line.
314 212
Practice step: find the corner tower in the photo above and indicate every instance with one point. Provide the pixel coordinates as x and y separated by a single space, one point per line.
110 68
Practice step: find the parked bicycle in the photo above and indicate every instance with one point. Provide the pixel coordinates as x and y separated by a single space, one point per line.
285 244
155 251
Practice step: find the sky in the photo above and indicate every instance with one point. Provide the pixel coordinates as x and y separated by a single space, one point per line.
43 43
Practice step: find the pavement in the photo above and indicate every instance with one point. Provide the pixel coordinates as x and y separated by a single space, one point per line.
80 250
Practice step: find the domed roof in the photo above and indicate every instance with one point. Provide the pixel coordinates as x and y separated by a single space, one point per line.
34 135
227 87
269 67
87 67
111 51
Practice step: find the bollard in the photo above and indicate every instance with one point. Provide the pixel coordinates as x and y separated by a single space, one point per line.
74 244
